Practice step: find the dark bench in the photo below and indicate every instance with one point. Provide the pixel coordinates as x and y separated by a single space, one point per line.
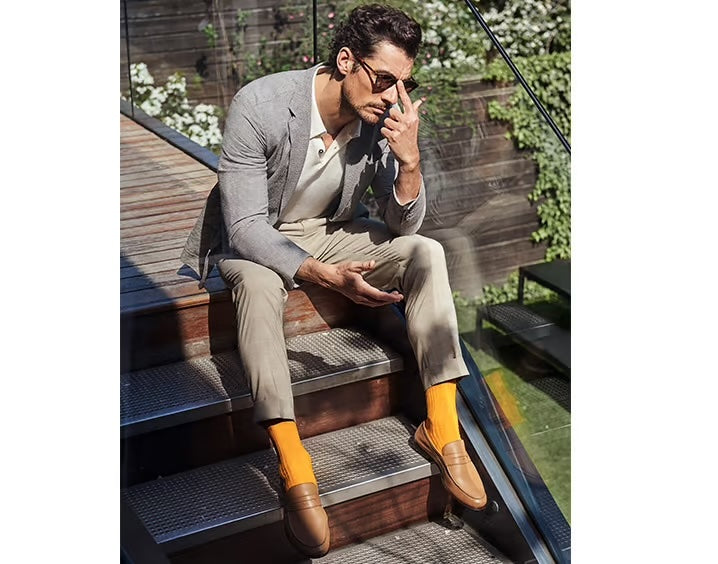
539 335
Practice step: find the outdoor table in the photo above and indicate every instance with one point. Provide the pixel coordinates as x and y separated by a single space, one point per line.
555 275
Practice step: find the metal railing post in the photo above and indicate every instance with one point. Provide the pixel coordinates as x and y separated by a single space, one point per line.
314 32
129 68
518 75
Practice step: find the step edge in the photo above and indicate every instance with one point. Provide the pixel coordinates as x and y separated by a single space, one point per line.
204 410
346 553
342 494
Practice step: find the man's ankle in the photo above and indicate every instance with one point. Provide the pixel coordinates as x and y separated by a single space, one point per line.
295 463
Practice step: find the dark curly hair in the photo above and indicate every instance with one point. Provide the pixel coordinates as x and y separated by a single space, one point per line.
369 25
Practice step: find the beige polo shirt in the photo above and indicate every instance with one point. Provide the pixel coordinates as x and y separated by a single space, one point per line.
322 176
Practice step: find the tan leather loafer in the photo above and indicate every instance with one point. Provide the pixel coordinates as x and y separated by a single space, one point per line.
458 473
305 521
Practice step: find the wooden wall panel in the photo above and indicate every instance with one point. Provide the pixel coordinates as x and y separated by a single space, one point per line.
477 181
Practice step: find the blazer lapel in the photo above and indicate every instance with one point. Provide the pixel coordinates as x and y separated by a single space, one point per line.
357 159
299 122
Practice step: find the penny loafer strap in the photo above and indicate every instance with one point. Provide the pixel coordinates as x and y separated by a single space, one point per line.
303 502
456 460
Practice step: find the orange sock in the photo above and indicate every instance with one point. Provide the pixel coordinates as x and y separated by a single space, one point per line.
442 421
295 464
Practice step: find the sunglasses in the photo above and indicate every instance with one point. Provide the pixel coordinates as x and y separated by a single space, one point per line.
384 81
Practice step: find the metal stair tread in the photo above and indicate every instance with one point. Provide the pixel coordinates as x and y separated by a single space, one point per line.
514 317
210 502
541 335
425 543
162 396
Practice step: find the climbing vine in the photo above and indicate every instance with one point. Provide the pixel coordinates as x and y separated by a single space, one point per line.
550 78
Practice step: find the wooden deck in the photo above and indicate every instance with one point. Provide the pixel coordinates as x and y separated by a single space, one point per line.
164 315
162 191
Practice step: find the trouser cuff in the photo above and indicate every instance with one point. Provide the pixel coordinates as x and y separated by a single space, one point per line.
265 410
451 369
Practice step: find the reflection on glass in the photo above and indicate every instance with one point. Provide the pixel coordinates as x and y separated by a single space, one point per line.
187 64
125 60
498 183
498 180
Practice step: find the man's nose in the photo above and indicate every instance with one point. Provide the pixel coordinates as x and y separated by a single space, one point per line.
390 96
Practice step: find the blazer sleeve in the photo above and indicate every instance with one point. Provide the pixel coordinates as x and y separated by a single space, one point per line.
400 219
242 173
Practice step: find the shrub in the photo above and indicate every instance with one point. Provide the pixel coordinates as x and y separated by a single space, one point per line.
170 105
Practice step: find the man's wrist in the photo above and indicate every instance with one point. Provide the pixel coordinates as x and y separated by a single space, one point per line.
410 166
408 183
314 271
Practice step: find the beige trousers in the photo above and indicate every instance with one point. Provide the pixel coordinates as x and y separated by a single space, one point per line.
413 264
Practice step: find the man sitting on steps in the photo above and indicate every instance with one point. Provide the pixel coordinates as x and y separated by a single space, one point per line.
300 149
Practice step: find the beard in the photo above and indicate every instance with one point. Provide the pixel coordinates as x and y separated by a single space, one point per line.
364 112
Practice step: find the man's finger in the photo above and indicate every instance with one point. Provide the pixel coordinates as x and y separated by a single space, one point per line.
370 303
390 123
418 103
368 291
404 96
360 267
388 133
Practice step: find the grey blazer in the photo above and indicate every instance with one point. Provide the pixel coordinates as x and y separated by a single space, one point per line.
263 152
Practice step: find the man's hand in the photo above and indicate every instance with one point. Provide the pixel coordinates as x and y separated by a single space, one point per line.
401 129
346 278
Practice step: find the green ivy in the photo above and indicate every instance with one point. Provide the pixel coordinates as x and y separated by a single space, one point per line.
211 34
549 76
509 291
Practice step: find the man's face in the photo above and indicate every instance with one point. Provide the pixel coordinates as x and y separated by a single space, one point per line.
357 95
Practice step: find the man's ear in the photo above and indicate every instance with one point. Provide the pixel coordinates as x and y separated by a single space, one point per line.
345 61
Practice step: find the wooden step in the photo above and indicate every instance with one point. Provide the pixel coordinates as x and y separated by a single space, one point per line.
164 315
176 322
173 394
236 495
428 542
353 521
197 412
188 414
183 447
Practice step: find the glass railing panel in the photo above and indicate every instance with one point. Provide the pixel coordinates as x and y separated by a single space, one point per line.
188 60
498 187
497 178
125 61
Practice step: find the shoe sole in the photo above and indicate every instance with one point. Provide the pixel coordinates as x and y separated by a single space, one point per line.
428 449
309 551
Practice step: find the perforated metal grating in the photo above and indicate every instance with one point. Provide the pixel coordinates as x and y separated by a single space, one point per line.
553 518
223 493
514 317
556 388
162 389
193 384
209 496
362 452
428 543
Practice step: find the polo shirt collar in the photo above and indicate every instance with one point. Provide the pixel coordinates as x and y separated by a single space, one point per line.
316 126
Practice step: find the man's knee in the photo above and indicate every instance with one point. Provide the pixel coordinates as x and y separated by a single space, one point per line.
257 287
424 252
253 281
